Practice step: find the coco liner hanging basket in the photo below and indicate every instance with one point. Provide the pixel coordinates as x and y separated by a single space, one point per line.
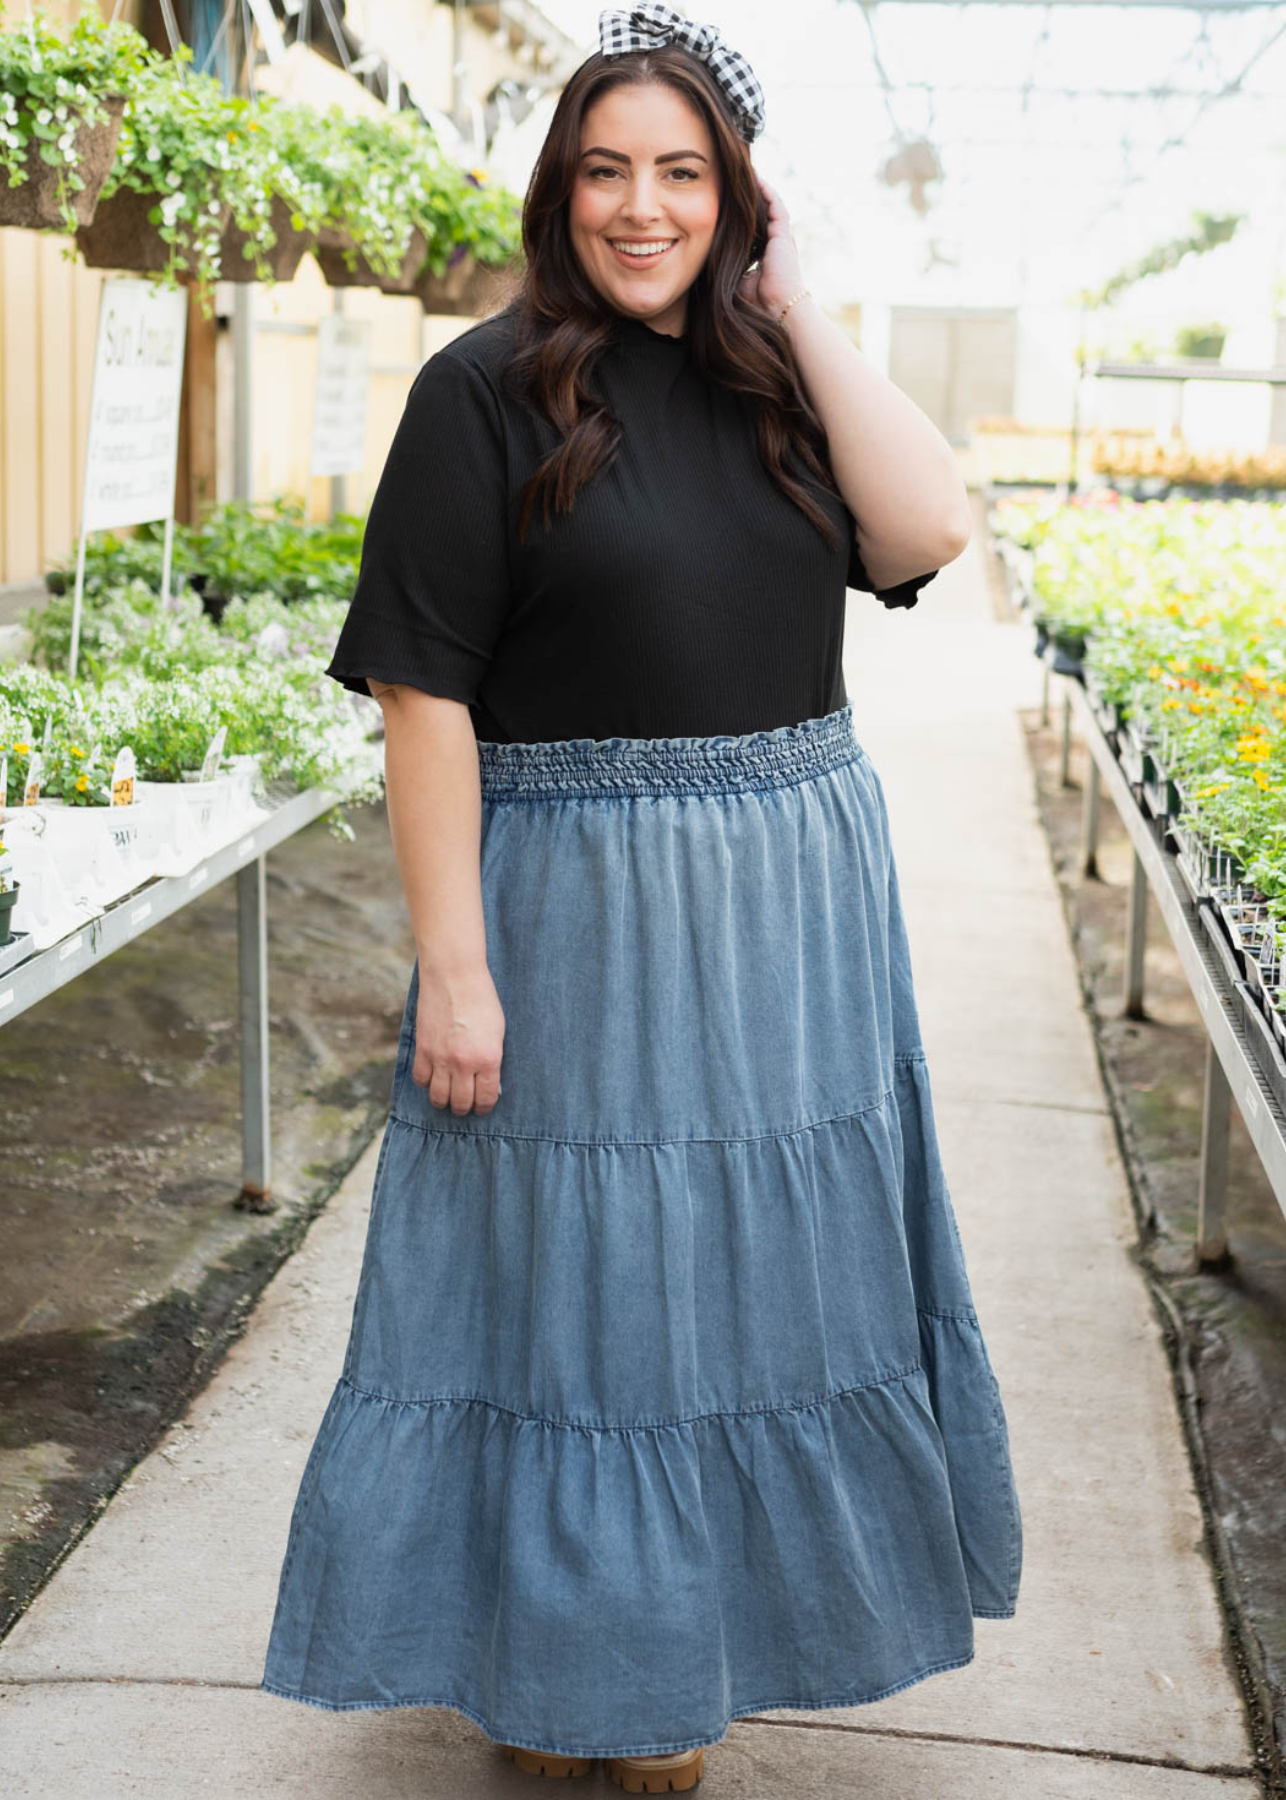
122 236
468 287
34 205
332 246
238 260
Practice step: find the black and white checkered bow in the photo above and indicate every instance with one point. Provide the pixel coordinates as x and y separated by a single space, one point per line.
649 26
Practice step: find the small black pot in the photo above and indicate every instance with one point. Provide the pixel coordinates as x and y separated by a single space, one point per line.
7 902
212 604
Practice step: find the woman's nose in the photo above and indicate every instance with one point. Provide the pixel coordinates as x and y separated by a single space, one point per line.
641 202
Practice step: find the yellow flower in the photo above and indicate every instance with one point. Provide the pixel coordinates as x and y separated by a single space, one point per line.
76 750
1260 776
1216 788
23 749
1167 704
82 782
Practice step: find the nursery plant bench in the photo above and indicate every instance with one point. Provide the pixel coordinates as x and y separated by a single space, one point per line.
1232 1062
159 898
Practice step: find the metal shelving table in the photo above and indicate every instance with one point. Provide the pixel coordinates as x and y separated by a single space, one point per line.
160 898
1231 1064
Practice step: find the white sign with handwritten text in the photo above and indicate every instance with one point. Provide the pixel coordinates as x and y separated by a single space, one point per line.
134 415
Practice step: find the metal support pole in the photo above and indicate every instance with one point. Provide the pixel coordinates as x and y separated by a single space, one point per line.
1136 940
1065 746
1212 1221
252 967
1044 692
1089 820
338 483
243 325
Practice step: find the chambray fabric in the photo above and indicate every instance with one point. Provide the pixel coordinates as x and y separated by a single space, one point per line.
665 1399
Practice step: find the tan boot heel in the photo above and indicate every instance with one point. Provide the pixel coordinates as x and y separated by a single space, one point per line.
660 1775
540 1762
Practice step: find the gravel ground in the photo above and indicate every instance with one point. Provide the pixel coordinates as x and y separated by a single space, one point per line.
128 1265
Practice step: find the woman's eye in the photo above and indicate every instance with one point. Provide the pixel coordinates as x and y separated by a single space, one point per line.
603 169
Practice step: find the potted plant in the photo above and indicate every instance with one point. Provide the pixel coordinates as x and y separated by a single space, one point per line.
61 101
474 238
187 163
370 173
267 239
9 889
1201 340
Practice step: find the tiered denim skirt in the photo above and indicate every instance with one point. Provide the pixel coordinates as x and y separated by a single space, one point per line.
665 1399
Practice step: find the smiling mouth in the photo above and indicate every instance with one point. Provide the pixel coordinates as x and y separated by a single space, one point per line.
642 257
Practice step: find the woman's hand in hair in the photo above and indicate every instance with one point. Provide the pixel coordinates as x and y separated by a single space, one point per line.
778 275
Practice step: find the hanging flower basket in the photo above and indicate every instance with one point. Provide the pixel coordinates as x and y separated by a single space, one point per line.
242 258
34 203
468 287
122 236
332 246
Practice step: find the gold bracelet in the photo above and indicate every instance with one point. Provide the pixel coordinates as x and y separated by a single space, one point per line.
802 294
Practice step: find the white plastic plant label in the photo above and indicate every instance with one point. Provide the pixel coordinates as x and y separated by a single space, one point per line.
35 769
214 755
123 772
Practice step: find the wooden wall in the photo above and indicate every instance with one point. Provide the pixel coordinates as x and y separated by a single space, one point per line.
48 323
48 326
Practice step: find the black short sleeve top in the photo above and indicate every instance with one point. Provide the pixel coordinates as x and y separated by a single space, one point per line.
683 595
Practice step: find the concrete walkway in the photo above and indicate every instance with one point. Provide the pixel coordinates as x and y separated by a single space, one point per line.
135 1671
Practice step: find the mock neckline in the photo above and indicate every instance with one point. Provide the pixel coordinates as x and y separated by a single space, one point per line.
638 332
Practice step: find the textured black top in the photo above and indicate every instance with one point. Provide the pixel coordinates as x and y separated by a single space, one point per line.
683 595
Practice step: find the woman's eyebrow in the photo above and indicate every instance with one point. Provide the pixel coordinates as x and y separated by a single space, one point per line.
670 155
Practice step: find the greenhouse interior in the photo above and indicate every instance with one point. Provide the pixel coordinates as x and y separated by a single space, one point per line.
1003 280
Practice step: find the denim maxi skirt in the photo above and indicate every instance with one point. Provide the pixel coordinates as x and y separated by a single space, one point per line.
665 1399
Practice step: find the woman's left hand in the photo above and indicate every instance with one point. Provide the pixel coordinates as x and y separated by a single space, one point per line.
777 276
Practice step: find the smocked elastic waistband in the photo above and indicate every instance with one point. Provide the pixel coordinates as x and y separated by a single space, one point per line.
591 768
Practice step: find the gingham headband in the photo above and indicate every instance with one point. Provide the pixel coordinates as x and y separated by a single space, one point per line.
649 26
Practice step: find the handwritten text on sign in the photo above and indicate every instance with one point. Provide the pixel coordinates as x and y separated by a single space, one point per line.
339 407
134 419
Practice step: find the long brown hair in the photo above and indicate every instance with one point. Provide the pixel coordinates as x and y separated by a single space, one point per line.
563 323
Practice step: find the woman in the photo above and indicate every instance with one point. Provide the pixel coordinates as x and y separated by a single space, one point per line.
665 1400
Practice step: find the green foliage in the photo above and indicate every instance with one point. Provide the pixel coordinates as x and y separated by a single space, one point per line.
1184 619
51 84
162 676
192 148
1200 340
1208 232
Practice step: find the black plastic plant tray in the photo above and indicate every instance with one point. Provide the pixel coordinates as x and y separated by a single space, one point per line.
1263 1043
1231 959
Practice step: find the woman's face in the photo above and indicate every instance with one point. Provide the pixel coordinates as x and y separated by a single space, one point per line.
647 175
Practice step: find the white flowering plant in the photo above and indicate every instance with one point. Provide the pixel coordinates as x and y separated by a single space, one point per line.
51 84
378 177
193 149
